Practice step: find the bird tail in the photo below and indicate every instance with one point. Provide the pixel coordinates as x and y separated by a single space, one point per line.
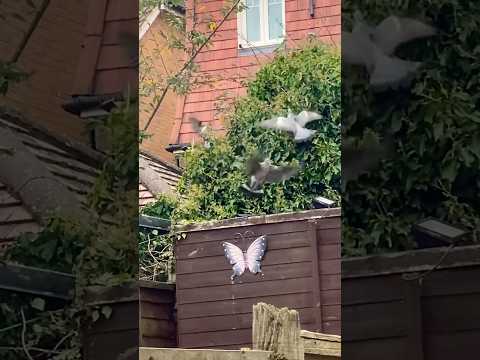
304 134
196 124
269 124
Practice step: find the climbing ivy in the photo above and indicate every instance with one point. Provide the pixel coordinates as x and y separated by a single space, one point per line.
435 125
301 79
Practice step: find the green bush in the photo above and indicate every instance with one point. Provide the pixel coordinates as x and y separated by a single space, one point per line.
435 125
162 207
304 79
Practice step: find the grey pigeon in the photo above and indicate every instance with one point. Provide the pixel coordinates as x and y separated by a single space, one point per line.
372 47
202 130
261 171
365 157
294 124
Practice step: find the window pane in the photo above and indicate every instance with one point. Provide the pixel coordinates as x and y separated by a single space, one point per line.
253 20
275 19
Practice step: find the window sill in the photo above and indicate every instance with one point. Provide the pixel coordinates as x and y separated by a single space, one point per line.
252 50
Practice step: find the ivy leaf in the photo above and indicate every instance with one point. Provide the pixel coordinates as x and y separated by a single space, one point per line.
38 304
437 130
37 329
449 171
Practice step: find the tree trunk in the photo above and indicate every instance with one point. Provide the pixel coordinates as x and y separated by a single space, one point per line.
277 330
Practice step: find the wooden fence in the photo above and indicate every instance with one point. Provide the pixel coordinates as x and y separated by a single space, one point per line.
142 315
301 270
386 316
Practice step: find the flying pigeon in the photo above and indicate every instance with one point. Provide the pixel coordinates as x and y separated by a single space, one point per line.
249 259
359 159
202 130
262 171
294 124
394 31
372 47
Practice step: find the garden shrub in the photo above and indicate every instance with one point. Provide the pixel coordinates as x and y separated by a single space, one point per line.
302 79
435 170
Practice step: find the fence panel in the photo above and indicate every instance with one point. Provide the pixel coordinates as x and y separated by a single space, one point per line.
387 316
301 270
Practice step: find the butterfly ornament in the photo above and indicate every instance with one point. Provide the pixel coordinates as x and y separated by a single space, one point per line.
249 259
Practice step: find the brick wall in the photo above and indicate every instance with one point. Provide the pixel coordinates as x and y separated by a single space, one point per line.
164 59
52 55
226 71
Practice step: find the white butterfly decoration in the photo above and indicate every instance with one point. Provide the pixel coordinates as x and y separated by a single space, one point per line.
249 259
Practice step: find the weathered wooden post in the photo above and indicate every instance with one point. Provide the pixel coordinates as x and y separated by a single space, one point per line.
277 330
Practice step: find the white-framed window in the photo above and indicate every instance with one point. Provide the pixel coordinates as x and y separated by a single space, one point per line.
261 23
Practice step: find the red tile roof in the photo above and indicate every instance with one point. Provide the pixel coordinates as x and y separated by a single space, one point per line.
105 66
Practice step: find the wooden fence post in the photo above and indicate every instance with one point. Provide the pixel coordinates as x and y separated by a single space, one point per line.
277 330
413 292
316 285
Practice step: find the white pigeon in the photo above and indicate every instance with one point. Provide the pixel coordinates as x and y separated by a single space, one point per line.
294 124
394 31
262 171
202 130
373 47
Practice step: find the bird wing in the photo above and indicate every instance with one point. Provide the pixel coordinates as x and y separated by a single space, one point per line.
280 173
196 124
250 190
279 123
357 48
253 164
305 117
394 30
303 134
391 71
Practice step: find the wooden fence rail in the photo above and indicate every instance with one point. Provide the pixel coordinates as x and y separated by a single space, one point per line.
388 312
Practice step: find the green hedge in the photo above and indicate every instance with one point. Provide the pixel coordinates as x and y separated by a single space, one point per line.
436 127
305 79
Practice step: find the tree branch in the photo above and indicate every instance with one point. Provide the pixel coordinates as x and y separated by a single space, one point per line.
31 29
24 329
188 63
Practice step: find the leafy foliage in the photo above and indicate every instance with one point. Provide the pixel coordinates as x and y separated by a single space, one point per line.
101 248
156 250
162 208
435 126
304 79
10 74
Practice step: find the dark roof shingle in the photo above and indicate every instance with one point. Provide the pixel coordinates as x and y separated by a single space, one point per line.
71 168
156 176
